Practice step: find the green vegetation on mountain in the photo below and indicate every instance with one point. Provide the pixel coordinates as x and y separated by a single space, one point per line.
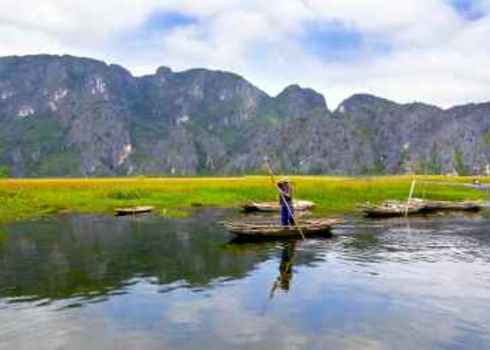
70 116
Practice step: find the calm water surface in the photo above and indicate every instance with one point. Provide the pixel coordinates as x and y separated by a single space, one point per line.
98 282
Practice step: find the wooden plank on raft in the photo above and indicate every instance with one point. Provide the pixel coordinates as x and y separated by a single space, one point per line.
310 227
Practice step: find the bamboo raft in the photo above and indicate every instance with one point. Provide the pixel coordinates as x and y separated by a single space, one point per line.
133 211
299 205
416 206
318 227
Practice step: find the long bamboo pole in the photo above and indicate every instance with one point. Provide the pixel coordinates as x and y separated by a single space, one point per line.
271 175
412 188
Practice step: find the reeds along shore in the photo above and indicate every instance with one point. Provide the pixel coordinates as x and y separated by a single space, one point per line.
24 198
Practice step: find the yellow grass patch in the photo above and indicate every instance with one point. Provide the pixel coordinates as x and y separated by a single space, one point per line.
23 198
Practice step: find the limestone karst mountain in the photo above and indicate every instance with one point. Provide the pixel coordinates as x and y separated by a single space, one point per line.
69 116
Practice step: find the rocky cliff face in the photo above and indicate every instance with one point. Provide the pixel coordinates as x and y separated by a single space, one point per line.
297 102
64 115
69 116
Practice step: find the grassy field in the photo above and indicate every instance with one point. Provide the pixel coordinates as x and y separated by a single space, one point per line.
25 198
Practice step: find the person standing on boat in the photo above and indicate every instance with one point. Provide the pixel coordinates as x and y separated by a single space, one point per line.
286 202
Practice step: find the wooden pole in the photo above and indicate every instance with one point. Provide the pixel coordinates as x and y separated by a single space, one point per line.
271 174
412 188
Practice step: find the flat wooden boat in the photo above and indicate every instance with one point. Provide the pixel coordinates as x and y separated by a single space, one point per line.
416 207
456 206
317 227
298 205
133 211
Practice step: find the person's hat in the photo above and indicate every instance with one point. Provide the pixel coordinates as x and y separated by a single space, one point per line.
284 180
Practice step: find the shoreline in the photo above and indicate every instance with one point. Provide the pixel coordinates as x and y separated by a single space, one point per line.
27 198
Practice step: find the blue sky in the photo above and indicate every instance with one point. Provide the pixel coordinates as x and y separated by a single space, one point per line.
434 51
164 21
470 9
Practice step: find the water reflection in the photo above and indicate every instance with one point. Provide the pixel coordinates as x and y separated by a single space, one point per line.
285 268
92 256
98 282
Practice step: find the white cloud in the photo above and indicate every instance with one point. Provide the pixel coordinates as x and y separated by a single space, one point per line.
432 54
69 18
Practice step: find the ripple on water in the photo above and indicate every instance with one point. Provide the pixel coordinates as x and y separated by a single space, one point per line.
99 282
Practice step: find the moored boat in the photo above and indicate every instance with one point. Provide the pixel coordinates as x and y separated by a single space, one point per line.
416 206
316 227
133 211
299 205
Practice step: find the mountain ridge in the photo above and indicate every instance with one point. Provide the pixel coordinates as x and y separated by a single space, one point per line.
73 116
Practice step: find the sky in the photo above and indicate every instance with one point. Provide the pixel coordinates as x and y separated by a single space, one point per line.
433 51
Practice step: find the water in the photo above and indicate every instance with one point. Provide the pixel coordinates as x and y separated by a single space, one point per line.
81 282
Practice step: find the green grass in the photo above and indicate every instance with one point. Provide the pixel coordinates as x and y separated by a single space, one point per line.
25 198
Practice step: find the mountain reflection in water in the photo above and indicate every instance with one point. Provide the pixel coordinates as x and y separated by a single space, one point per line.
81 281
92 256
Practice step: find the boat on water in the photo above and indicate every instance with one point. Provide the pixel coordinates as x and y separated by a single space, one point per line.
416 206
133 211
299 205
254 230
